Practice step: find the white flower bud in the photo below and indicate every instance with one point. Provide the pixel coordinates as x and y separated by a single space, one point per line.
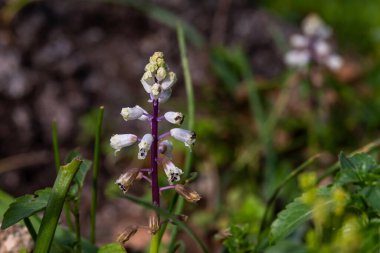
334 62
314 26
168 82
119 141
161 74
147 81
298 41
151 67
131 113
186 136
297 58
166 148
156 90
174 117
144 146
172 172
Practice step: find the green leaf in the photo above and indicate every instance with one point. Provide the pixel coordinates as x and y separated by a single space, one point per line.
372 196
295 214
80 175
112 247
54 207
25 206
355 169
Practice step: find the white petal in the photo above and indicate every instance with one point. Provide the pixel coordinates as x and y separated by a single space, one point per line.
186 136
297 58
298 41
144 146
168 82
119 141
165 95
174 117
334 62
322 48
131 113
172 172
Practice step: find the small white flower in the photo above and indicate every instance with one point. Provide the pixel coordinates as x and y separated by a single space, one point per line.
297 58
172 172
298 41
166 148
165 95
144 146
334 62
144 116
169 80
186 136
174 117
161 74
322 48
156 90
131 113
147 81
119 141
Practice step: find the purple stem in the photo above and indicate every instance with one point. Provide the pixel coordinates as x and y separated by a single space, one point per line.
154 155
167 187
164 135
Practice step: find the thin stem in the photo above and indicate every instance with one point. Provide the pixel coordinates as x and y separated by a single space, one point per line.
154 243
167 187
30 228
95 173
147 179
78 246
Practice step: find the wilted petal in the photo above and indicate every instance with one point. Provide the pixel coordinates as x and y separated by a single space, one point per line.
126 180
188 194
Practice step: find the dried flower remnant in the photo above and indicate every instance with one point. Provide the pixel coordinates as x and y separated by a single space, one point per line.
126 180
158 82
127 234
313 46
188 194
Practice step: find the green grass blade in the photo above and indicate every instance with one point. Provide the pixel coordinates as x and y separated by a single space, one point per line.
190 124
54 207
95 173
166 17
54 137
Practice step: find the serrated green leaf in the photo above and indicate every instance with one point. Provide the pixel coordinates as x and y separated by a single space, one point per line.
112 247
25 206
295 214
355 169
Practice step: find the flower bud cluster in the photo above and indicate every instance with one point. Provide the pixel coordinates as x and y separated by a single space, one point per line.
313 46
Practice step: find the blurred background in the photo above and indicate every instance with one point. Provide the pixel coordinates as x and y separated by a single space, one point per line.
256 118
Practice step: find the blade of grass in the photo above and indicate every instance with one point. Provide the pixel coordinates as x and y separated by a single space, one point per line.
57 162
190 125
54 207
95 173
173 218
166 17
